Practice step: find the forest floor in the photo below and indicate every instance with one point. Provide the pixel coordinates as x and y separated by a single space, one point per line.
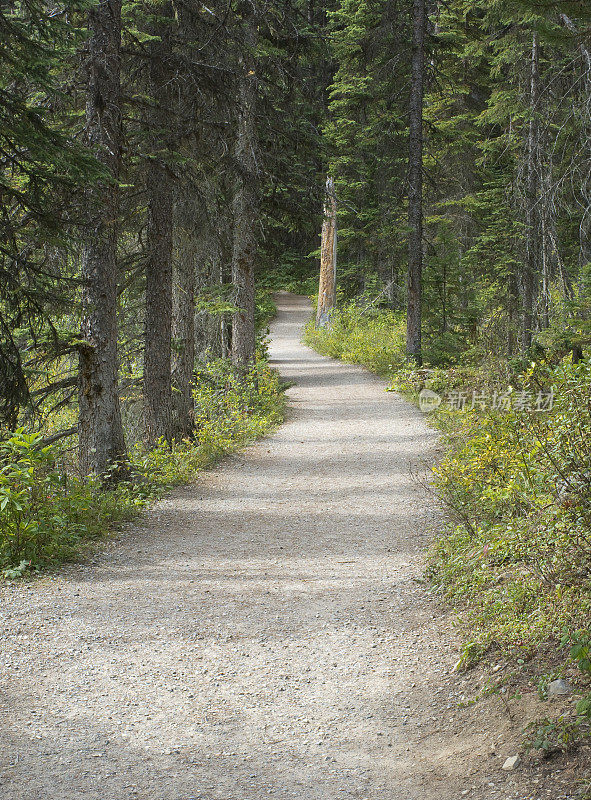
265 632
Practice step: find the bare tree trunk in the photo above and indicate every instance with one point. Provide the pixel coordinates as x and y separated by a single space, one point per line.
568 23
566 283
211 329
219 328
415 179
246 199
327 288
546 273
183 334
224 327
529 269
158 320
101 441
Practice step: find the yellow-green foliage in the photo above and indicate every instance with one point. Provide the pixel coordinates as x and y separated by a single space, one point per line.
231 409
373 338
46 514
517 560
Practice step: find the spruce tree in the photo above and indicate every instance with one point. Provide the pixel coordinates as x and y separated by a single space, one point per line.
160 191
100 432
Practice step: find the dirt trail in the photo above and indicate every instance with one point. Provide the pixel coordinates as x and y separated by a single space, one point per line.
260 634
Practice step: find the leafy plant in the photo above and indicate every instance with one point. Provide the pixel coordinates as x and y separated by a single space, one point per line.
368 336
47 514
28 483
580 651
516 556
552 736
17 571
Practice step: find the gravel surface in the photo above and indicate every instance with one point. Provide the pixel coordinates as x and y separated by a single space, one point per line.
262 633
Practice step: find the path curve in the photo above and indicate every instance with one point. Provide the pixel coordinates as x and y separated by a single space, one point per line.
260 634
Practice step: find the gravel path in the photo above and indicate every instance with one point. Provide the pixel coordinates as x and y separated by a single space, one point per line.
260 634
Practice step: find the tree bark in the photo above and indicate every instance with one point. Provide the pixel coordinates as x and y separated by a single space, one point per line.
327 288
568 23
246 199
183 334
529 270
158 320
415 179
100 431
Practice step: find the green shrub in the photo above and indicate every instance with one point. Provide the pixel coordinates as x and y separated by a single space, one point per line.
46 514
374 338
517 556
29 485
552 735
580 651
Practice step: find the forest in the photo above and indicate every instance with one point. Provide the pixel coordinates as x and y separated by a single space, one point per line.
419 169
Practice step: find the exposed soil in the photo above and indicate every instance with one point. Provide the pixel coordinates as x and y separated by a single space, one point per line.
264 633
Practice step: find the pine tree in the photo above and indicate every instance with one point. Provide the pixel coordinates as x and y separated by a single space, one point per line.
365 139
415 179
246 191
158 315
100 431
42 170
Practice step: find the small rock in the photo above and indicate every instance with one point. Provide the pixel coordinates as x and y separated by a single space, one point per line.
558 687
511 763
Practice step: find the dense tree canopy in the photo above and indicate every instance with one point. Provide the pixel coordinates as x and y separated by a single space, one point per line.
151 181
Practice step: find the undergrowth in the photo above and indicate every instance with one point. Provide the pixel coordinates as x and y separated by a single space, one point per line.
515 557
46 514
373 338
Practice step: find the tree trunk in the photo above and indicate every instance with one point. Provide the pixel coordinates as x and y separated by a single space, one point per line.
529 269
100 432
327 288
415 190
546 271
568 23
183 334
246 200
158 320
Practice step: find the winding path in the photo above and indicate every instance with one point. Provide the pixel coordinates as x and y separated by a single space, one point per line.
260 634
